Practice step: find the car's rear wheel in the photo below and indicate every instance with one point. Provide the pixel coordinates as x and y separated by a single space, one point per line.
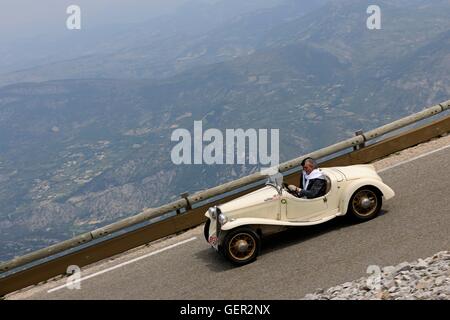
206 230
365 204
242 245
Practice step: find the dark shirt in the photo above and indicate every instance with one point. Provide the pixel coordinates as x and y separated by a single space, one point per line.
316 188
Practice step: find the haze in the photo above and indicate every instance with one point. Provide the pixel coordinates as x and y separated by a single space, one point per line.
28 18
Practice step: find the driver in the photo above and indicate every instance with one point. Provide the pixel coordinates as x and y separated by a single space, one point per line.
312 181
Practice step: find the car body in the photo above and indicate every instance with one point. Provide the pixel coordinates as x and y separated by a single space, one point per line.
236 227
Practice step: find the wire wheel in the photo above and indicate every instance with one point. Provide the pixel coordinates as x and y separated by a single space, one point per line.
365 203
242 245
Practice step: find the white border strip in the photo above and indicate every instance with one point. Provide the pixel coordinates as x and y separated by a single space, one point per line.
122 264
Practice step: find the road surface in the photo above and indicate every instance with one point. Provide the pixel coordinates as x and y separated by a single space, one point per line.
416 223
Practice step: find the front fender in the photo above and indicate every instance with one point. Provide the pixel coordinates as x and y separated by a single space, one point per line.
350 189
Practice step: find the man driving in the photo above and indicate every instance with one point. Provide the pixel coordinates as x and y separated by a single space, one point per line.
312 182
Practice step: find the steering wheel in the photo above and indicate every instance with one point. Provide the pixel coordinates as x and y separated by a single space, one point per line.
285 186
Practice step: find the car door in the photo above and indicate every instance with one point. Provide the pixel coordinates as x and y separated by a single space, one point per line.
299 209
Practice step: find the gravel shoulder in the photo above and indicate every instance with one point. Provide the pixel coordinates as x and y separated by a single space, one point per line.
423 279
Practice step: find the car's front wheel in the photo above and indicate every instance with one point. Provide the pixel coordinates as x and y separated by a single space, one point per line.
365 204
242 245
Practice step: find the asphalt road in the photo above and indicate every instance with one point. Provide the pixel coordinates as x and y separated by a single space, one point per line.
416 223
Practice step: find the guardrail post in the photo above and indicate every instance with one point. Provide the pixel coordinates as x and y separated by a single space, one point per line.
185 195
363 144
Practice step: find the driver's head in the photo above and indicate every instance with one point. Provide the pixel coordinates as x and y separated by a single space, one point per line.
303 162
309 165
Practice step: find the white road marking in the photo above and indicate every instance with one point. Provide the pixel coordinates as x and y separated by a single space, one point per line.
121 264
414 158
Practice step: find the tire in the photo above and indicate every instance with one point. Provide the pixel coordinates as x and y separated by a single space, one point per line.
241 246
206 230
365 204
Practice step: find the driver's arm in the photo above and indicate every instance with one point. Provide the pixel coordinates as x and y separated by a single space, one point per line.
294 189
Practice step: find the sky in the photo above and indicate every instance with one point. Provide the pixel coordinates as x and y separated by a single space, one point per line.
28 18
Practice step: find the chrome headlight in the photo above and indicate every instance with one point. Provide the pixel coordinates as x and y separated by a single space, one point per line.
222 219
212 212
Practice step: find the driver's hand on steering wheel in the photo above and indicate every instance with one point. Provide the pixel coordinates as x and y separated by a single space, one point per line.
293 188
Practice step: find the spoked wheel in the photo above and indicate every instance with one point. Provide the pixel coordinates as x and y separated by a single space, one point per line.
241 246
365 204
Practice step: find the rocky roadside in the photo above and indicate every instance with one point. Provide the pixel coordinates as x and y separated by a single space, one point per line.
424 279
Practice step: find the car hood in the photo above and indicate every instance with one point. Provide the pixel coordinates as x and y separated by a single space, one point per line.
359 171
254 198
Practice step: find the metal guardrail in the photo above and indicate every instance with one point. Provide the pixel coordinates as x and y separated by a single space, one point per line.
217 191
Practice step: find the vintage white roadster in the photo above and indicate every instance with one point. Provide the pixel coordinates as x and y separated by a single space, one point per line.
235 228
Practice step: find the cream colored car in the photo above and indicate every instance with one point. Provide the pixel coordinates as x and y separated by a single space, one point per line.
235 228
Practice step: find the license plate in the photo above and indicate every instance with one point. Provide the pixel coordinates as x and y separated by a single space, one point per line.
213 241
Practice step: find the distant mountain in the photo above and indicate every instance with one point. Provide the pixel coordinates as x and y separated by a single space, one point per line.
78 154
196 34
191 18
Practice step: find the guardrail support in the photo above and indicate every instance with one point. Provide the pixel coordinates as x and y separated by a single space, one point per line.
185 196
359 132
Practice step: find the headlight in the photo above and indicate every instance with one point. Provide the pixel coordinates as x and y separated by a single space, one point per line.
212 212
222 219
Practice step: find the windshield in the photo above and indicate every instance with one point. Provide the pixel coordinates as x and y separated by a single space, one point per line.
276 181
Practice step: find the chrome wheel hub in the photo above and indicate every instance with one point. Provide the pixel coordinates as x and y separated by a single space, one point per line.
366 203
242 246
